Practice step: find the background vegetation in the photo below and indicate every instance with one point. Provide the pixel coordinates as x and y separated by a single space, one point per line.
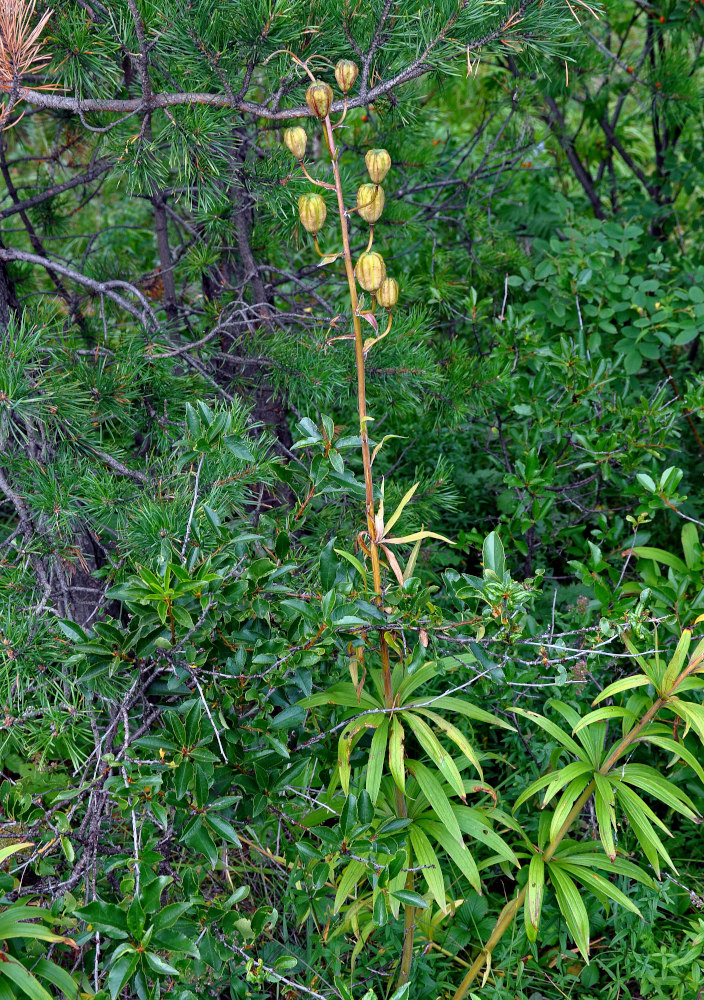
236 760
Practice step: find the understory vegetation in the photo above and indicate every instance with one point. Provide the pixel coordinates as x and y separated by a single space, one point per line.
351 522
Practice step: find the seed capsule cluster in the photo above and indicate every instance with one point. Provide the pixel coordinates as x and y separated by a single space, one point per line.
370 270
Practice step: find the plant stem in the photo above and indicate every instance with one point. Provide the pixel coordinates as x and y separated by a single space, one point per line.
401 810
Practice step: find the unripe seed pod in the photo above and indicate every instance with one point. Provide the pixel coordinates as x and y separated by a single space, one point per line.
370 202
346 73
378 164
296 138
387 293
319 98
312 211
370 271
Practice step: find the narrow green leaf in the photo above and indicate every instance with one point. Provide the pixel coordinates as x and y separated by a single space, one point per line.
437 753
624 684
375 765
608 712
459 852
674 667
571 907
435 794
605 814
457 737
399 510
350 877
534 896
555 780
650 781
463 707
23 980
554 730
396 754
426 858
567 800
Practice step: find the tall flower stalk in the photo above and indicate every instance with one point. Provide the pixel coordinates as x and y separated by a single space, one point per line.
370 274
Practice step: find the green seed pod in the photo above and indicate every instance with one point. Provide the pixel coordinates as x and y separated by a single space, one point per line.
370 271
319 98
370 202
312 211
296 138
346 73
378 164
387 293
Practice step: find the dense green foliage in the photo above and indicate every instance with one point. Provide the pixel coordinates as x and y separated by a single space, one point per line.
303 699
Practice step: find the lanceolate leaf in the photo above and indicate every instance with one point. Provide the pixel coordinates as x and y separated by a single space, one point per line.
377 755
437 753
609 712
624 684
458 738
396 754
350 735
415 680
674 667
473 823
350 877
437 799
678 749
554 730
599 885
636 813
650 781
571 907
692 714
457 851
567 800
342 694
24 981
605 814
427 859
555 780
463 707
534 896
